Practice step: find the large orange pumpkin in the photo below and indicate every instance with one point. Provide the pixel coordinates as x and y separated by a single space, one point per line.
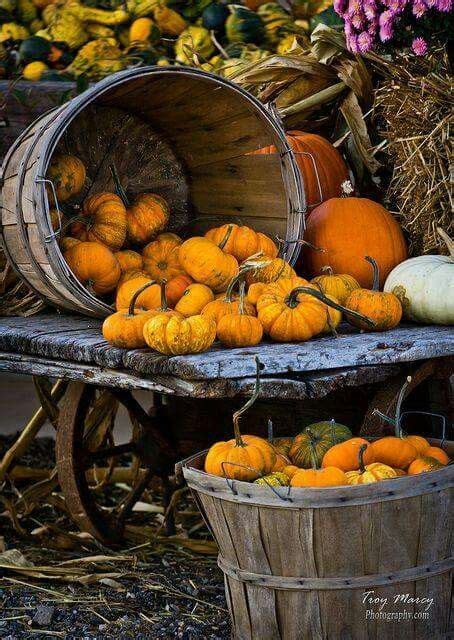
315 155
347 229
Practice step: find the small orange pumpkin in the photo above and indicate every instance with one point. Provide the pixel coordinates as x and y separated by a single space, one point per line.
176 287
245 457
124 328
384 309
290 470
104 221
206 263
268 271
227 303
254 292
94 265
423 465
239 329
339 285
130 274
177 335
243 242
67 242
160 257
194 299
129 260
345 455
150 298
68 175
437 453
327 477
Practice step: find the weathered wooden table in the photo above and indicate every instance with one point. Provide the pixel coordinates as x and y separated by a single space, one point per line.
344 377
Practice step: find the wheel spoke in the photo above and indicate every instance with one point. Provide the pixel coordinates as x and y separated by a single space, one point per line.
110 452
134 497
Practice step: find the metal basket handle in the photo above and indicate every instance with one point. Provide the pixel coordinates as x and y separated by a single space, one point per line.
230 481
56 233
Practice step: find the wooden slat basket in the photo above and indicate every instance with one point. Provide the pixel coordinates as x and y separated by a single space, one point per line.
301 564
182 133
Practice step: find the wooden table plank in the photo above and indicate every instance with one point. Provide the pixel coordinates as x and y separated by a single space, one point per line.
79 339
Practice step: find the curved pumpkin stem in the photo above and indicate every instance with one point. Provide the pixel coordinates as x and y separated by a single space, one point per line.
361 451
247 265
132 303
225 239
400 399
282 243
373 262
292 302
241 310
118 186
332 328
327 269
164 306
237 415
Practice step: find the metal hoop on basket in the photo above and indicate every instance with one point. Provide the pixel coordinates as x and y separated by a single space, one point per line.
56 233
230 481
317 176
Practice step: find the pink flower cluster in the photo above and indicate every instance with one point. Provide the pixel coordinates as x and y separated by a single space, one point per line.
367 21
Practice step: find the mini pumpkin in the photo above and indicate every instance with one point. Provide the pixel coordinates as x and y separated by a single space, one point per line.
239 329
268 271
345 455
228 303
367 473
176 335
339 285
95 266
130 274
176 287
124 328
129 260
287 314
327 477
384 309
194 299
254 292
68 175
104 221
160 257
206 263
437 453
424 464
290 470
243 241
310 446
150 298
245 457
67 243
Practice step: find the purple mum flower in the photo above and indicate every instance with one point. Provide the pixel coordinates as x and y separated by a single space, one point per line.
419 8
444 5
357 21
364 42
419 46
340 6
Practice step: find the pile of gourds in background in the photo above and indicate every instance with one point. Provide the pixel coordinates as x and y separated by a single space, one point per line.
65 39
178 295
324 454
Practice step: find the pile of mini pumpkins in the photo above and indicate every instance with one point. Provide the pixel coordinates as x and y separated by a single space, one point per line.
64 39
324 454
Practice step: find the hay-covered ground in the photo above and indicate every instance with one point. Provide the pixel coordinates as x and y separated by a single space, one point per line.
82 590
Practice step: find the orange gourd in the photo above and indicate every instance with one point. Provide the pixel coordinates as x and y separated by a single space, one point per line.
176 287
150 298
437 453
347 229
384 309
327 477
243 241
238 329
245 457
345 455
194 299
103 220
423 465
177 335
94 265
124 328
316 156
339 285
228 303
206 263
420 444
367 473
160 257
287 315
129 260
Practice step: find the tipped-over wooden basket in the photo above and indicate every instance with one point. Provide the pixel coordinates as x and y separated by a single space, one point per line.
182 133
299 562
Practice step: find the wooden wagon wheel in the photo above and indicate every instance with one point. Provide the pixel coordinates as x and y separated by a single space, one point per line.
87 454
386 398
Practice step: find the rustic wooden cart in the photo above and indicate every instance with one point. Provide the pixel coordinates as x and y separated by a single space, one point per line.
192 397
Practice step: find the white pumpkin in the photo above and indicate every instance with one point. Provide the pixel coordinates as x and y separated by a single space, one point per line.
425 286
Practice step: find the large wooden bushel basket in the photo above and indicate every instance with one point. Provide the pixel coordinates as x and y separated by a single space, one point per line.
182 133
301 564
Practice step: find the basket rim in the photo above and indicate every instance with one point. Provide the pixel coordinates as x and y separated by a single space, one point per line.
313 497
290 172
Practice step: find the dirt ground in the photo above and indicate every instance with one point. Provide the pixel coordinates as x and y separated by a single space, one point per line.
60 584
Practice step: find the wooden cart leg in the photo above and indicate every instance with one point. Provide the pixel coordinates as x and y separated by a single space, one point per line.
80 453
